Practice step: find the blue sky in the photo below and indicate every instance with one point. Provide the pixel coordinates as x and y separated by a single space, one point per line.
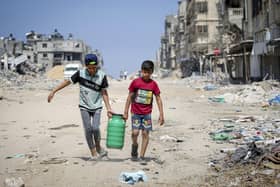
126 32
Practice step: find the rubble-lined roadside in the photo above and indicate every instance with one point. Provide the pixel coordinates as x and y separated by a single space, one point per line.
259 93
251 154
10 80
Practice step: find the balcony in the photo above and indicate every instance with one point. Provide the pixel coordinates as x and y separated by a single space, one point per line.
164 39
235 16
275 33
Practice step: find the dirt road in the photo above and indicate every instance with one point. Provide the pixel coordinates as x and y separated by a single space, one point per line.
43 143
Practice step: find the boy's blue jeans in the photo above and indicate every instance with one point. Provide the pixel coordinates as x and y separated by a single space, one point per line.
141 122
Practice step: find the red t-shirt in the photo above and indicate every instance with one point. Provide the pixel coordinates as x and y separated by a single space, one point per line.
142 98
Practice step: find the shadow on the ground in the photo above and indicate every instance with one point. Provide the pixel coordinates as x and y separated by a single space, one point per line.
109 159
104 159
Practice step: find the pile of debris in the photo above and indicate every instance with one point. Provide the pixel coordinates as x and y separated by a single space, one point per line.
188 66
256 151
256 93
10 80
28 68
263 93
242 130
248 165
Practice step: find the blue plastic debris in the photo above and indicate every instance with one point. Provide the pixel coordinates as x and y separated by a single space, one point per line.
209 87
19 155
275 100
133 177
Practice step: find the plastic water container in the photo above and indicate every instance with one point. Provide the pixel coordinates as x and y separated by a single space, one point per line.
115 132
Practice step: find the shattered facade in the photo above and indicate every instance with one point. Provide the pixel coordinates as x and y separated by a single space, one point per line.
43 51
168 44
241 38
195 34
256 55
266 47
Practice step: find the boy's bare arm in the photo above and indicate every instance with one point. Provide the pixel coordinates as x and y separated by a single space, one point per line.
160 108
107 103
127 104
59 87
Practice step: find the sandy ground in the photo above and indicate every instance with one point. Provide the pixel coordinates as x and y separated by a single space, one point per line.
43 143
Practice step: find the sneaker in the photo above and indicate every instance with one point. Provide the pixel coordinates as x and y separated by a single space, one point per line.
134 153
102 152
142 160
94 158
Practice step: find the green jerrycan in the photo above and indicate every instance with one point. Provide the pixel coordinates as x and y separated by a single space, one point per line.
115 132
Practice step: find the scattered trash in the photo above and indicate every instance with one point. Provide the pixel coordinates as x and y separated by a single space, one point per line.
272 165
246 154
272 141
169 150
228 125
64 126
246 119
221 136
167 138
209 87
268 172
14 182
158 161
228 150
217 99
173 108
133 177
19 155
54 161
46 170
256 142
215 166
226 120
275 100
273 157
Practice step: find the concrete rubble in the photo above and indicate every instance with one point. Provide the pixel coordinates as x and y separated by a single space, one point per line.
10 80
14 182
251 143
255 93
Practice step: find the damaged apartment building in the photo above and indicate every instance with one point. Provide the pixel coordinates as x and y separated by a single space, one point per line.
42 51
238 37
190 36
256 56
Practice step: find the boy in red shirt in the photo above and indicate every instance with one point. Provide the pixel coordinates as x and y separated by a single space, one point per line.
140 97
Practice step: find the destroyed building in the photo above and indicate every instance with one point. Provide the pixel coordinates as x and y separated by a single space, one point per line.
195 35
255 56
239 38
167 52
42 51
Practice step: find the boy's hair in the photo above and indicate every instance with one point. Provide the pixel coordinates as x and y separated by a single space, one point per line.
148 65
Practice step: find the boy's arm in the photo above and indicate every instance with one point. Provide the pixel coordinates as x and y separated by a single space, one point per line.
160 108
127 104
59 87
107 103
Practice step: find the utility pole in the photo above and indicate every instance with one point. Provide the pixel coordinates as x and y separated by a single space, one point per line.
221 28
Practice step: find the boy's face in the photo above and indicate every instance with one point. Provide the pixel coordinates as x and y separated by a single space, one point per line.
146 74
92 69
